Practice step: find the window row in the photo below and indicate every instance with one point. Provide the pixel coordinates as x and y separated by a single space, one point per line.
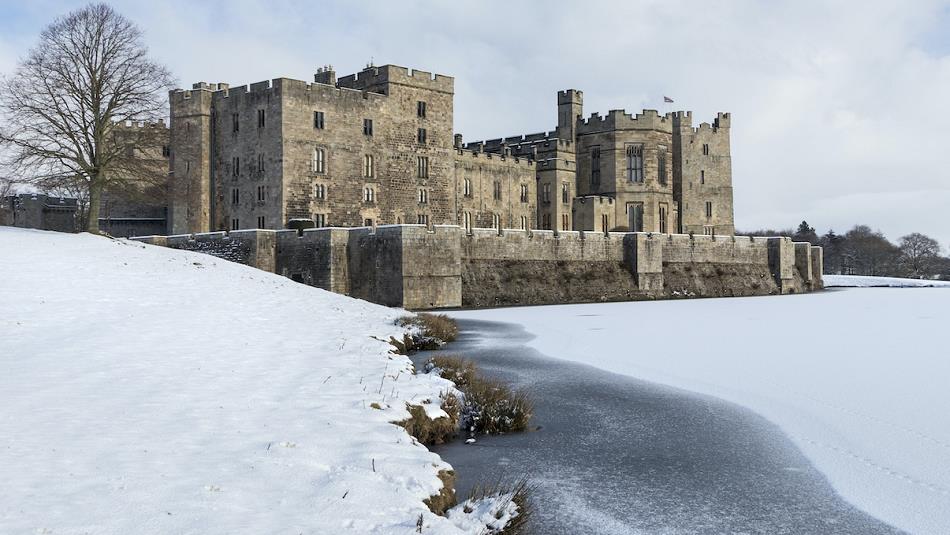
633 155
236 223
319 122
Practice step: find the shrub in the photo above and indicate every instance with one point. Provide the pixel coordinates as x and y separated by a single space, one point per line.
491 407
438 431
456 369
432 331
520 494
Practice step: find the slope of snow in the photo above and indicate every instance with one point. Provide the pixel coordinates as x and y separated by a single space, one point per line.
857 378
855 281
149 390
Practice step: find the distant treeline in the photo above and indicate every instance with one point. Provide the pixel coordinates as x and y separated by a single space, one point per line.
862 251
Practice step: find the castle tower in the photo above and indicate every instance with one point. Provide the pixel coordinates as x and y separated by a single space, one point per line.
702 175
570 107
190 189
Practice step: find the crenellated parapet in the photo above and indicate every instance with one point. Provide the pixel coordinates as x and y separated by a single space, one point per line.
375 78
621 120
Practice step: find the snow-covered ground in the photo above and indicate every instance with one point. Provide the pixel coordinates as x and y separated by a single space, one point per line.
855 281
149 390
859 378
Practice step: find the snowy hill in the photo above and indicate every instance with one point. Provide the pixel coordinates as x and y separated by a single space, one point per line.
150 390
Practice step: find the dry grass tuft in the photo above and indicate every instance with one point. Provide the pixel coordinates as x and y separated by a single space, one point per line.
459 370
520 494
434 331
438 431
492 407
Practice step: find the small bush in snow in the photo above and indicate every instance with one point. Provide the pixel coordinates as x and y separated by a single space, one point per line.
517 494
491 407
430 431
428 331
456 369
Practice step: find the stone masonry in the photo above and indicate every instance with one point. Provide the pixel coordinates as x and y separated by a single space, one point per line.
377 147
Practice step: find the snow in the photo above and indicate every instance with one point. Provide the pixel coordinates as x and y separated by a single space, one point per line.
857 378
150 390
855 281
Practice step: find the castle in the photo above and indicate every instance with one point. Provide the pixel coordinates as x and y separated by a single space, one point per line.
378 147
359 185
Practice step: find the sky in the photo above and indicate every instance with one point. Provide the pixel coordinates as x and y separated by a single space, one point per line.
839 108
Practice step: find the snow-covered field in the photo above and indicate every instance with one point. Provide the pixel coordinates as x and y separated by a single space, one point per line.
855 281
149 390
859 378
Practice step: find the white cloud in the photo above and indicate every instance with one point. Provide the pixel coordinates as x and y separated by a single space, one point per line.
838 108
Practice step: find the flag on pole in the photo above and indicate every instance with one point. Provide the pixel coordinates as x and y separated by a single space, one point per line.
667 99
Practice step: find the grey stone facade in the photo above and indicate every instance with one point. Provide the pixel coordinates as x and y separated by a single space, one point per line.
33 210
377 147
419 267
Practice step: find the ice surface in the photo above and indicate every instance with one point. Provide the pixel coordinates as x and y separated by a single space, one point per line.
856 281
857 378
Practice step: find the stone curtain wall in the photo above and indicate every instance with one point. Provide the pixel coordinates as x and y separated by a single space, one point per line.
444 266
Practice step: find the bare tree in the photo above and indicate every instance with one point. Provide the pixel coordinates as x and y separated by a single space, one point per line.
919 255
70 108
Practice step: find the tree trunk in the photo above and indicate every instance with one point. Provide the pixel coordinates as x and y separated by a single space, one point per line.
95 199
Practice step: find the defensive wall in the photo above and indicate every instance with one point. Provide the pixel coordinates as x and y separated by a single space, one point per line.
419 267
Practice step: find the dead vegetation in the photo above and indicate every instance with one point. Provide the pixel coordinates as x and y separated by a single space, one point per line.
520 494
428 332
488 406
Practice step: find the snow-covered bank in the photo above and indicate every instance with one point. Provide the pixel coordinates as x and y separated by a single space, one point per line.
857 378
150 390
856 281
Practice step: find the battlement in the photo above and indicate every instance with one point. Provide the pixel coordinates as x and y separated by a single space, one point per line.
570 96
621 120
374 78
684 121
139 125
472 155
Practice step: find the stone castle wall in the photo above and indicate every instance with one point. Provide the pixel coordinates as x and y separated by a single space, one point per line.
419 267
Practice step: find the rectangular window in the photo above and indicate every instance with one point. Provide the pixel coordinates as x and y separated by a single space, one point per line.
422 166
496 191
261 194
423 196
495 221
367 127
421 136
235 196
319 220
565 193
166 152
467 188
546 193
661 165
595 167
236 166
368 167
369 195
702 176
260 118
565 222
603 223
634 163
318 120
422 219
421 109
260 221
663 217
235 223
319 162
635 215
705 149
319 192
709 230
546 221
524 193
235 122
260 163
524 223
709 211
467 220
